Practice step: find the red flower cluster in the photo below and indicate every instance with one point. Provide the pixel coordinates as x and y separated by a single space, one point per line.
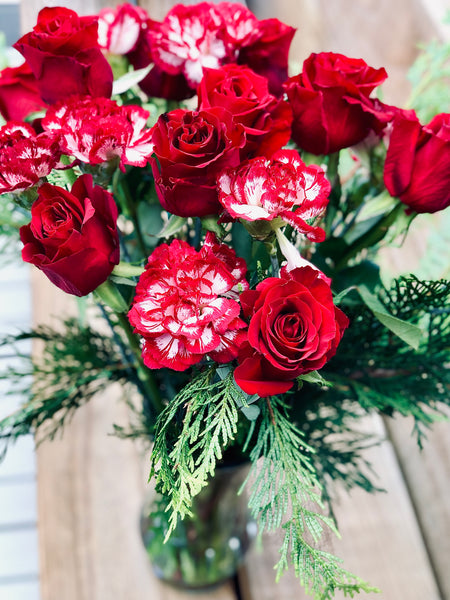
97 130
185 306
192 38
73 235
294 329
25 158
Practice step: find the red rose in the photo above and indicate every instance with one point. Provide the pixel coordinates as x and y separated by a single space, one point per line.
417 166
331 104
65 57
267 52
192 148
266 119
19 95
73 235
294 328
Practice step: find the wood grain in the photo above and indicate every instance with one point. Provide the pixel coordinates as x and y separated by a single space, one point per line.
381 540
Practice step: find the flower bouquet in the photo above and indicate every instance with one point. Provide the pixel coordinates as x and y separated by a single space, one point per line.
223 219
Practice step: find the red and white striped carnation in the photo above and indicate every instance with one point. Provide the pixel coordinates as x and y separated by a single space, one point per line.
98 130
280 187
185 305
119 28
25 158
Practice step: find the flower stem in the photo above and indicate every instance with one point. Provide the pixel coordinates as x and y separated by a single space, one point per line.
144 374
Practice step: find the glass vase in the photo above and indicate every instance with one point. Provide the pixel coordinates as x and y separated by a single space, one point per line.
208 547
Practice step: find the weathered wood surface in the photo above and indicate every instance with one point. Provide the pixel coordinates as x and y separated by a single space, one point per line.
91 485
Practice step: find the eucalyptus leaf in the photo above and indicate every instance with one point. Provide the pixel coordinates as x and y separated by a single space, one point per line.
129 80
314 377
173 225
409 333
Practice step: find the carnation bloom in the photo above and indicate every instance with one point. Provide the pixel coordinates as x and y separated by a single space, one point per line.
97 130
281 187
119 28
188 39
185 305
25 158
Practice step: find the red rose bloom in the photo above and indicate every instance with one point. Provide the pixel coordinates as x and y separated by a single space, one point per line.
417 166
185 306
294 328
192 148
64 55
267 52
266 119
331 104
19 94
73 235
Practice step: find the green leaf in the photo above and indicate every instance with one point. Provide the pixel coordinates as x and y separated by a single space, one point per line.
110 295
409 333
314 377
126 82
173 226
211 224
124 269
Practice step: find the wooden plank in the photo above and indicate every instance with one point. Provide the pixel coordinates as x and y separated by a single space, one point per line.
427 474
381 541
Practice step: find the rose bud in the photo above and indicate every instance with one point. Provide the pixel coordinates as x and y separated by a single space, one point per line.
417 166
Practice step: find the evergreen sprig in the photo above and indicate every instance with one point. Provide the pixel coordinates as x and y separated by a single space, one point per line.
75 363
384 373
286 492
191 435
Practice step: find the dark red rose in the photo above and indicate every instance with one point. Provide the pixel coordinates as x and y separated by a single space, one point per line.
65 57
73 235
294 329
19 94
266 119
331 102
192 148
266 51
417 166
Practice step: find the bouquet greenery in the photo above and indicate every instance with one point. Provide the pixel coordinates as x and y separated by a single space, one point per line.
224 220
